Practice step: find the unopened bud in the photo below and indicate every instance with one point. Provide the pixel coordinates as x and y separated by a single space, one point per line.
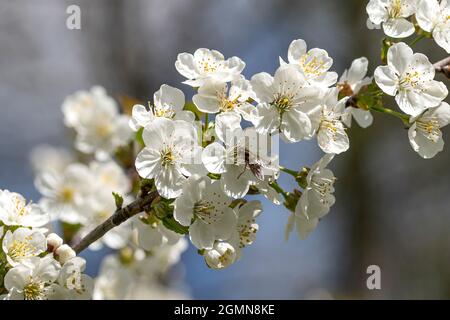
220 256
64 253
53 242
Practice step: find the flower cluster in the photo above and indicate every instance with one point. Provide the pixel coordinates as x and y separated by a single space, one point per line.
181 167
99 126
81 195
34 266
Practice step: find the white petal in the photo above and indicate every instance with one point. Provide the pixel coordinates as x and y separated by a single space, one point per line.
377 12
201 235
235 181
214 158
363 117
398 28
296 50
157 132
226 225
295 125
228 126
386 79
400 57
186 65
422 145
427 14
357 71
262 85
148 163
169 96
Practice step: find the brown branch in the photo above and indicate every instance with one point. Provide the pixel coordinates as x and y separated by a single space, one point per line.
443 66
120 216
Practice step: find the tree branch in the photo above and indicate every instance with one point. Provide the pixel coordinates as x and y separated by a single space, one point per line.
120 216
443 66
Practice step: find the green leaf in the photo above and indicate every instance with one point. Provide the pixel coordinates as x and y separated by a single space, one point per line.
118 199
170 223
139 138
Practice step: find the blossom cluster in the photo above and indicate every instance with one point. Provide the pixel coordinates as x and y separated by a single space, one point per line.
203 158
33 265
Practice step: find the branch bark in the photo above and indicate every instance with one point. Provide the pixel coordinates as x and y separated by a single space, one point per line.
120 216
443 66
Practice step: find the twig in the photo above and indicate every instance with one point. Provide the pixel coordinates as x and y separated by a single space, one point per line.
120 216
443 66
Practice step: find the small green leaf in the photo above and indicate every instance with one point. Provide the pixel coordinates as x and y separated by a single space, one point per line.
118 199
170 223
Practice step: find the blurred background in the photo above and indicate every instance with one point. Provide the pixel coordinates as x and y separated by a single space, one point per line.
392 210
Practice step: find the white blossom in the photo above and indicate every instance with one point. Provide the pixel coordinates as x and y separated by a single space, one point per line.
247 227
425 134
314 64
327 123
220 256
433 16
240 158
206 209
283 103
206 64
47 158
65 192
317 197
23 244
34 279
393 14
409 77
217 96
14 211
168 102
76 284
171 153
350 83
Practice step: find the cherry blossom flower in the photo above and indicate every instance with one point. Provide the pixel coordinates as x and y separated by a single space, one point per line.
206 209
283 103
350 83
14 211
433 16
393 14
409 77
171 153
314 64
168 103
206 64
425 133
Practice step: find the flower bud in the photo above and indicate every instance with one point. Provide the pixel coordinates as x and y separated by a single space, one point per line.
53 242
64 253
220 256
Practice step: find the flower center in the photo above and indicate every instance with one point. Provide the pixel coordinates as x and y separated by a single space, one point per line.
247 232
33 291
395 9
323 187
204 210
21 250
282 103
228 105
67 195
430 128
103 129
312 65
167 157
20 207
227 257
411 79
165 112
